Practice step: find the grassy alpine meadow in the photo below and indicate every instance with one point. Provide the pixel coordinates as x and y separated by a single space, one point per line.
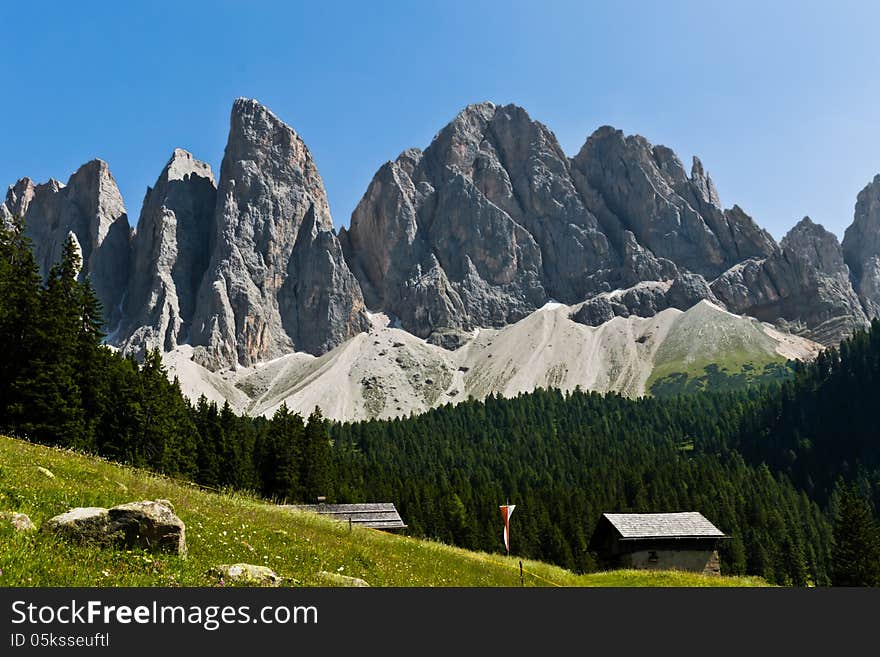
228 527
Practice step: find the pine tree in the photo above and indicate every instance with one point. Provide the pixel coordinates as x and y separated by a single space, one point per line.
93 362
282 455
20 286
47 403
315 473
855 555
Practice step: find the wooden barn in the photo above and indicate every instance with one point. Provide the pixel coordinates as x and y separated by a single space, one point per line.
378 515
662 541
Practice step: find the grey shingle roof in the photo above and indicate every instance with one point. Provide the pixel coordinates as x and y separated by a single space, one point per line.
663 525
378 515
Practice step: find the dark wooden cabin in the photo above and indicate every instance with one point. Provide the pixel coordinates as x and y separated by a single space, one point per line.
662 541
379 515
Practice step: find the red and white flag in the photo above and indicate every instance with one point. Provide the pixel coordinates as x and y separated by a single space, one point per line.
506 512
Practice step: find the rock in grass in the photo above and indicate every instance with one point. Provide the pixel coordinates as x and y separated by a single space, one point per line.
151 525
20 522
45 471
80 524
335 579
246 573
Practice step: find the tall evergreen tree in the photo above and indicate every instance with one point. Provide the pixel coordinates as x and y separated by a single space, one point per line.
93 362
315 472
19 311
855 556
282 455
47 404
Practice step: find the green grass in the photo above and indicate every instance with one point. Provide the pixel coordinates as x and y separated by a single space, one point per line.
225 528
709 349
717 377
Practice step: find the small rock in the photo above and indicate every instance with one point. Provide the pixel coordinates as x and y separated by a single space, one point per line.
45 471
246 573
20 522
342 580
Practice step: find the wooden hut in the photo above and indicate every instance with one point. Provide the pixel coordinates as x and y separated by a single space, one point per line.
662 541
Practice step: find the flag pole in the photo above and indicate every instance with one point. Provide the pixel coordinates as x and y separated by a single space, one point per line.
506 511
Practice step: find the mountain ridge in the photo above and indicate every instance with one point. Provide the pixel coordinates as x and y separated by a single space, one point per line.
481 229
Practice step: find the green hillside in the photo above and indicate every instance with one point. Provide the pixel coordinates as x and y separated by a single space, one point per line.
231 528
711 350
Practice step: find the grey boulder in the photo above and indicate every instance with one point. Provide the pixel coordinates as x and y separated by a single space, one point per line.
150 525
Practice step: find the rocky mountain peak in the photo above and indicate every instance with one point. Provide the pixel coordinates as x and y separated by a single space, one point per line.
815 246
268 183
648 192
170 253
803 286
90 208
703 183
183 165
19 196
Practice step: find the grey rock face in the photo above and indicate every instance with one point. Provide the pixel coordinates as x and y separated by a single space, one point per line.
268 182
487 224
90 207
861 247
320 302
646 299
492 220
643 300
170 252
868 286
480 229
803 286
677 217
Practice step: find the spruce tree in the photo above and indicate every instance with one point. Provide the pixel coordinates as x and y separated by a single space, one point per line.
855 555
20 286
315 473
47 404
93 362
282 455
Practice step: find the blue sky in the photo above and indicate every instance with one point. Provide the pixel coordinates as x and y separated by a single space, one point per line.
780 100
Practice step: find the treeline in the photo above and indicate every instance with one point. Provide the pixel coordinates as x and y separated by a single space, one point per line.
766 465
564 459
821 427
